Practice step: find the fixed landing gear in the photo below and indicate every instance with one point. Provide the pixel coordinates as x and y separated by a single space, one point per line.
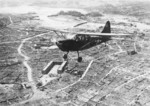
79 59
65 57
105 44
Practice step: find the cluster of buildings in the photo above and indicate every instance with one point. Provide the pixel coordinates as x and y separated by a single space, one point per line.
52 71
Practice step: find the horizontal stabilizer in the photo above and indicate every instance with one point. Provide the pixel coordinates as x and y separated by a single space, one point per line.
122 39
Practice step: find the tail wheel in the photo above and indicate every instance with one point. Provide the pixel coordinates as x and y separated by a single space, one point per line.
79 59
65 56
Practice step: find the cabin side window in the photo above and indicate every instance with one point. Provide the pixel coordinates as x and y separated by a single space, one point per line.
78 38
82 37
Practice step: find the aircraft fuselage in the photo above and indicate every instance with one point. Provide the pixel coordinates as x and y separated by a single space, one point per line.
81 42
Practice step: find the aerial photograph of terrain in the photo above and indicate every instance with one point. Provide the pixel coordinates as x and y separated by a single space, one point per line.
74 53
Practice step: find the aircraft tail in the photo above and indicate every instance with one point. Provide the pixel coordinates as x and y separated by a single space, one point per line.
107 28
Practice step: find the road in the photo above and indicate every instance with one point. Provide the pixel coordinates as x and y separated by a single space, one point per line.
10 42
26 58
11 22
25 61
29 71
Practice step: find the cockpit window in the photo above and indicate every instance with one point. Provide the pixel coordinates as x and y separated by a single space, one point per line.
82 37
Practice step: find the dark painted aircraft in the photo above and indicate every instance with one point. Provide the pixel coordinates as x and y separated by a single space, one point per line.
82 41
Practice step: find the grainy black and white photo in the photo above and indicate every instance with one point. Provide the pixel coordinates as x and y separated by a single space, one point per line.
74 52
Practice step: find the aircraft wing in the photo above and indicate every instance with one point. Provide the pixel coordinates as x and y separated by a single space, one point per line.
104 34
93 33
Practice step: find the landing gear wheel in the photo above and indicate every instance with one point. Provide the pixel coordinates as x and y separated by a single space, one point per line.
79 59
65 56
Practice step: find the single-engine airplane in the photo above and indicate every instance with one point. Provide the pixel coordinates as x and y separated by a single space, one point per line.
82 41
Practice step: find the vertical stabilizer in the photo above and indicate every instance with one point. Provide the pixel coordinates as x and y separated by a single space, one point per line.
107 28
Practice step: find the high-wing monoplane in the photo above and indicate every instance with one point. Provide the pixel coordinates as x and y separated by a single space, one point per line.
82 41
